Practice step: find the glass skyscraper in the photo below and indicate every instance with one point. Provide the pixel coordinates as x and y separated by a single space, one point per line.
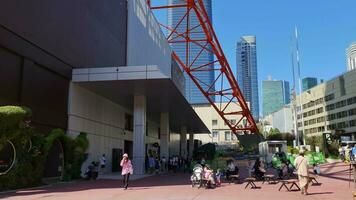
309 82
192 93
275 94
246 60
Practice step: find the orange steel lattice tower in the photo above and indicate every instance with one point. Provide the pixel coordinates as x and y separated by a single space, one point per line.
224 91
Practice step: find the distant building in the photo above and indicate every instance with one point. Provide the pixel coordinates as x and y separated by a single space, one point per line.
282 119
309 82
276 94
329 107
351 57
219 131
246 60
192 92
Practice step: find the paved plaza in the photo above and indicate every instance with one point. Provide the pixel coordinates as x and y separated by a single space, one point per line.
335 185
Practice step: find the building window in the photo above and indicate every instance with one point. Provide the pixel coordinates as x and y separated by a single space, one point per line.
331 127
320 119
329 97
319 110
351 100
321 129
214 122
128 122
215 134
341 114
227 135
341 125
330 107
331 117
340 104
352 123
352 112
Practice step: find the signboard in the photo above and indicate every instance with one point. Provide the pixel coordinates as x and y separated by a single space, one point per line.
7 157
345 138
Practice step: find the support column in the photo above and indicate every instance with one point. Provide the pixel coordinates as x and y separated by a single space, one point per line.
183 141
139 134
164 141
191 144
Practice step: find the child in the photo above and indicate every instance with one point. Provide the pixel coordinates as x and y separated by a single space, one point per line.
316 168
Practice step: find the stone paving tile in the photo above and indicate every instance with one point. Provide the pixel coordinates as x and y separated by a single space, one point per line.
335 186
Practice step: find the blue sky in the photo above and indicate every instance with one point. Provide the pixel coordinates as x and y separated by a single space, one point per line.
326 28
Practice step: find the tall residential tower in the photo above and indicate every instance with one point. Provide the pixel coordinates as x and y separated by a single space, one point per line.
192 93
246 61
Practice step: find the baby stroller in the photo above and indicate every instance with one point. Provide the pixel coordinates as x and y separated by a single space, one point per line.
197 176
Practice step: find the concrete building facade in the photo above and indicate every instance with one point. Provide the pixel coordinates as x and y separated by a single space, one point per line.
246 60
329 107
281 119
219 131
104 68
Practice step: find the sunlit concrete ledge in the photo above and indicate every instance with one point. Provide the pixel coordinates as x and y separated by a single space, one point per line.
118 73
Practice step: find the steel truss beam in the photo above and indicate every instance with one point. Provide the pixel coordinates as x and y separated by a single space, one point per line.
224 93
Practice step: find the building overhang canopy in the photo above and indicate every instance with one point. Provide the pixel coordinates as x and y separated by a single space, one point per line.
120 84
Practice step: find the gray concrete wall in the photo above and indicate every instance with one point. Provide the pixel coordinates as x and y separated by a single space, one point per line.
103 121
146 43
83 33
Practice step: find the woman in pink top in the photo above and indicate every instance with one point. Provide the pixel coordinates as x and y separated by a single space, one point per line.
126 169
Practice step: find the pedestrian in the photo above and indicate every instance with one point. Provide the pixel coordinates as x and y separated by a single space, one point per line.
353 151
301 164
157 165
103 163
126 169
164 164
151 164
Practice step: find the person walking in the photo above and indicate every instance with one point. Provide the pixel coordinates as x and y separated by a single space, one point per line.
301 164
353 152
126 169
102 163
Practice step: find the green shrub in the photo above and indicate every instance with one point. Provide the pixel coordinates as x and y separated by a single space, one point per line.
12 116
292 150
74 152
314 141
29 167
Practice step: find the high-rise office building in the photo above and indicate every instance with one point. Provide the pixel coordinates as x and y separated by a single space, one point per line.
192 93
351 57
246 60
309 82
276 94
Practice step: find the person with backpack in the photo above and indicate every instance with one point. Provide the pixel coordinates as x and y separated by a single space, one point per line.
301 164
